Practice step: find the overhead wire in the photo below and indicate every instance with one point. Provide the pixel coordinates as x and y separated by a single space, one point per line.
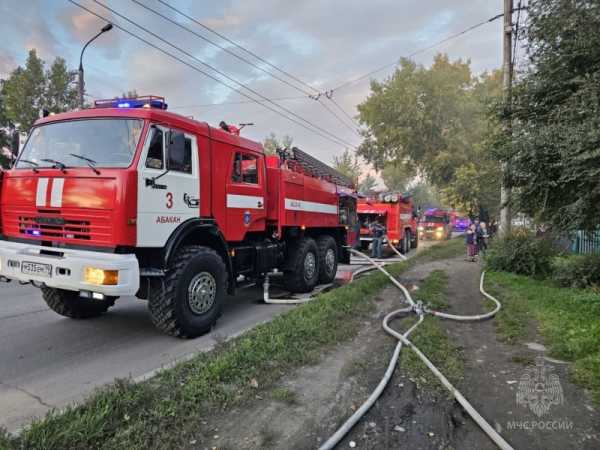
241 58
422 50
332 136
208 75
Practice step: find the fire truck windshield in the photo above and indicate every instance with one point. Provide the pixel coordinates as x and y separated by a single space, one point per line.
434 219
107 142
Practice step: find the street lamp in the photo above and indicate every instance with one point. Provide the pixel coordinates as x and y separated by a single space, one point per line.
104 29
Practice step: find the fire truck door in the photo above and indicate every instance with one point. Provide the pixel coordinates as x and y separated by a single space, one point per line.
246 202
168 185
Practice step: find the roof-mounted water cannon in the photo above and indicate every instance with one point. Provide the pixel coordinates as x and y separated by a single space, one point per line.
232 128
141 101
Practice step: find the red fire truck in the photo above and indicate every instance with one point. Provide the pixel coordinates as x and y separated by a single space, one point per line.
129 199
435 224
395 213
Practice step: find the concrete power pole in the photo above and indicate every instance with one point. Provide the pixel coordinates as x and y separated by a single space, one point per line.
507 71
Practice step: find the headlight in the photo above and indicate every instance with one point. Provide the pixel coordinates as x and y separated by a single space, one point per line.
440 228
394 197
420 228
387 198
100 277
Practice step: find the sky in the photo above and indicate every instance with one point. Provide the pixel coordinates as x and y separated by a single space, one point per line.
323 43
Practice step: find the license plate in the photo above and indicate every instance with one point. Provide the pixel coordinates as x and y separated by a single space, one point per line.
38 269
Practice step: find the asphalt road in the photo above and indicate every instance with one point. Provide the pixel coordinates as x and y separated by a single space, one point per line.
48 361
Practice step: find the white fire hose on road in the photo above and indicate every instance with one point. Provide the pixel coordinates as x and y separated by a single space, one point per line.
403 339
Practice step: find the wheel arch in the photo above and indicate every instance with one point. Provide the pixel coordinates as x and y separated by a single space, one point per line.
200 232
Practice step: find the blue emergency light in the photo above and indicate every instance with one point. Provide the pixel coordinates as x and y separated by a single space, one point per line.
144 101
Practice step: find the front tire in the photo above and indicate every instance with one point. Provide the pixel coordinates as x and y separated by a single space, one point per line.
302 272
189 302
328 259
70 304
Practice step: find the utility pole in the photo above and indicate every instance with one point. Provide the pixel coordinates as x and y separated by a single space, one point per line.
507 72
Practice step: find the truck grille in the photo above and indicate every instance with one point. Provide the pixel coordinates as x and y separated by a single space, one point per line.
83 226
57 228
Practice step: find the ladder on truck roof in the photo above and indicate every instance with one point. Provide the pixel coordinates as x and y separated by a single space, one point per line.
318 169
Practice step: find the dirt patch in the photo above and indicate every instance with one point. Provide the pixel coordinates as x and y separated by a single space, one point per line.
308 405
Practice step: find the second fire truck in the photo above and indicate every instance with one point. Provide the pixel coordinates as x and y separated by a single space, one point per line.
396 213
129 199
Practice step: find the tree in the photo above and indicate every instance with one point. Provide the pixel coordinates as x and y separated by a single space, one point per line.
347 164
272 143
4 135
425 196
433 121
396 176
554 152
61 92
24 92
367 185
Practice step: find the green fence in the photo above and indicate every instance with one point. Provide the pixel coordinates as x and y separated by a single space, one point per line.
586 242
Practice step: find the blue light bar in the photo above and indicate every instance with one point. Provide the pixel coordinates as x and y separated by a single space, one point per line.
147 101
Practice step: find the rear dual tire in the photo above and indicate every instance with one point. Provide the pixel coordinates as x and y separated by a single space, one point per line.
311 262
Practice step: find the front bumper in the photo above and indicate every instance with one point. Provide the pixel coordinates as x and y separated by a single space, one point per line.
67 268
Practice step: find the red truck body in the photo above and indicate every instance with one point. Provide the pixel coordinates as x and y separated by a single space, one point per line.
435 224
393 211
170 185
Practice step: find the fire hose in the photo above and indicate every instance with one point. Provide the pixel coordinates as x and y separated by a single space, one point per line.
420 310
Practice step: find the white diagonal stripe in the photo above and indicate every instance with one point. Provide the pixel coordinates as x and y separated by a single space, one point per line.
245 201
303 205
57 192
42 189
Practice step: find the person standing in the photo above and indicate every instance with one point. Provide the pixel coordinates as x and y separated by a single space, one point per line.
377 231
471 241
482 237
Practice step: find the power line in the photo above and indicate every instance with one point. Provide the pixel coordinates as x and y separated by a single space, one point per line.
224 75
165 52
344 111
245 60
225 38
225 49
422 50
240 102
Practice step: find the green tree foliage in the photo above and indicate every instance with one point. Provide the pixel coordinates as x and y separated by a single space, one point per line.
24 92
272 143
27 90
554 153
436 121
425 196
367 184
347 164
61 90
396 176
4 134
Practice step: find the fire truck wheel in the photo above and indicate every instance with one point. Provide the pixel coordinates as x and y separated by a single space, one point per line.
415 241
328 258
407 241
70 304
190 301
302 274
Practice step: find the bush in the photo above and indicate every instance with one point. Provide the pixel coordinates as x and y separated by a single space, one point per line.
577 271
523 253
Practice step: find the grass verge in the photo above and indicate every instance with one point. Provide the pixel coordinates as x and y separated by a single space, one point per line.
432 339
569 321
165 412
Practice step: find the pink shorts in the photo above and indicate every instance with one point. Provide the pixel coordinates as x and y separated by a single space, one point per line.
472 249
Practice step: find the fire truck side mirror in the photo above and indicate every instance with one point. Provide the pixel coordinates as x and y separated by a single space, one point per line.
14 144
176 150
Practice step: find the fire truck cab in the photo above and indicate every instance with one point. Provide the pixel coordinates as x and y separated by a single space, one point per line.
128 199
396 213
435 224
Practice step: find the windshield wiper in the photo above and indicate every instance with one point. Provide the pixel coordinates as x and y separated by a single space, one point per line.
90 162
56 163
33 163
